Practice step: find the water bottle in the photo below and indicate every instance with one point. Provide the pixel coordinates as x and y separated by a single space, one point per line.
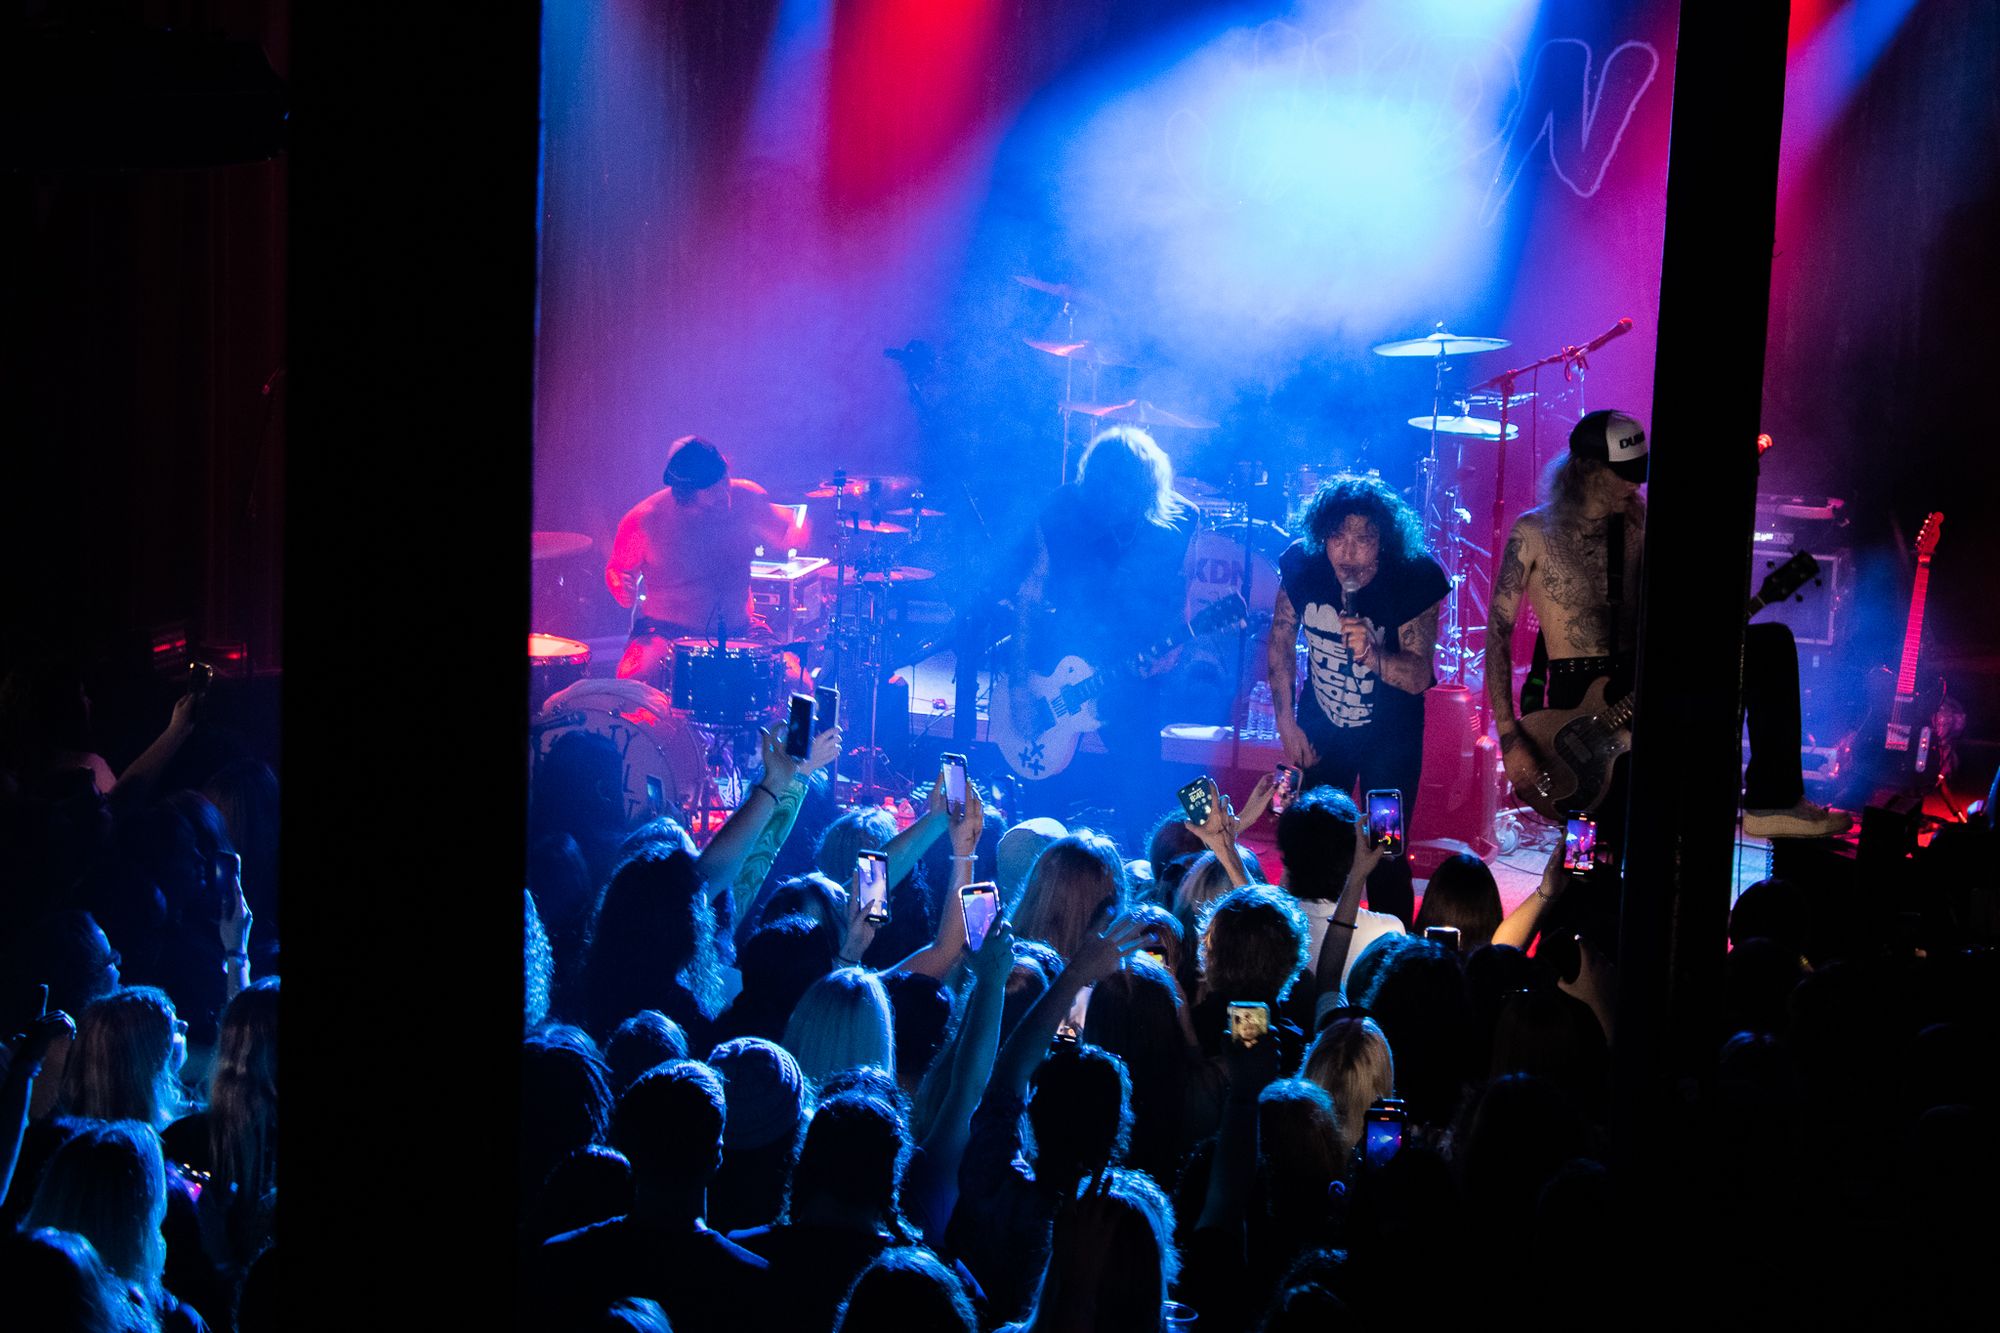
1261 724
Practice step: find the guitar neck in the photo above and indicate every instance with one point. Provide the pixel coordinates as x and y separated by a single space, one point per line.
1913 633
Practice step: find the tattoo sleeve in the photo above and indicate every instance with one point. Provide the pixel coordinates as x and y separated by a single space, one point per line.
1409 667
1507 592
1281 655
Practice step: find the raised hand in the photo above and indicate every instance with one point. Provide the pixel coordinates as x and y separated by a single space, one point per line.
858 931
965 830
993 960
779 767
1104 952
234 928
1221 824
1258 801
1366 854
825 749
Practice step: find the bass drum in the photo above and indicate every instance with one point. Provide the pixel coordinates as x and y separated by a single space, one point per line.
1209 665
663 758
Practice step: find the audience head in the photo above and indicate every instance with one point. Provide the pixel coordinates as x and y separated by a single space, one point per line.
1555 1036
1123 1236
841 1021
1316 842
1134 1015
1419 999
579 789
1019 848
591 1184
1772 909
669 1126
645 1039
907 1290
1077 882
1164 934
1375 959
864 828
1351 1060
920 1012
1171 839
1299 1146
1758 978
68 951
660 831
814 897
243 1109
779 962
565 1105
1253 943
1036 965
55 1280
108 1184
654 918
851 1164
768 1095
1080 1113
129 1047
1521 1132
1204 881
1463 894
1392 889
559 877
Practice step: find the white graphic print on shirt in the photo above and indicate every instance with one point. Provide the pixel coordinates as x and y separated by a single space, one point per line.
1344 689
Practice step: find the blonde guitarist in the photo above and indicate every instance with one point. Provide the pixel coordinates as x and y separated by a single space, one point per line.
1576 561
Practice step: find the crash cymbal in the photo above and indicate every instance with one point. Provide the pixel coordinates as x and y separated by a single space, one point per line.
900 574
1139 413
1495 399
1478 428
1094 353
1057 289
556 545
916 513
878 529
1440 344
858 486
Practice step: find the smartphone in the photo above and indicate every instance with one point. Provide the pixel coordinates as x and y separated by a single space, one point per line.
1580 845
1079 1010
981 905
871 881
1249 1022
656 797
1382 1131
1448 936
1287 788
200 676
1385 820
826 707
1198 799
954 785
799 727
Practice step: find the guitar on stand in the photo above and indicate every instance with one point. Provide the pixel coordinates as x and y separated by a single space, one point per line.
1579 745
1062 705
1904 742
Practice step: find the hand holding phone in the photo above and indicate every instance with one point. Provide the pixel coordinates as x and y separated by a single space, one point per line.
1198 799
1448 936
954 786
1287 788
200 676
826 707
981 905
871 884
1385 820
799 727
1580 845
1382 1131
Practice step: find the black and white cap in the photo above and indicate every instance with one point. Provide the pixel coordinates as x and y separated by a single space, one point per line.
1614 438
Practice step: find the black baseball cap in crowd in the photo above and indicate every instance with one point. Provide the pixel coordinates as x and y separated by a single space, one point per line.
1612 437
694 463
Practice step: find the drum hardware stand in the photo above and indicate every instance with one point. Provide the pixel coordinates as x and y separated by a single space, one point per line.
1250 479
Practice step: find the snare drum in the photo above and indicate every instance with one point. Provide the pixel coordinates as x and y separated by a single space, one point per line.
554 663
735 682
652 743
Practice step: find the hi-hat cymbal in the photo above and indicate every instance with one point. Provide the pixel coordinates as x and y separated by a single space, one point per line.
900 574
1139 413
1092 352
858 486
1057 289
916 513
1440 344
556 545
1478 428
878 529
1494 399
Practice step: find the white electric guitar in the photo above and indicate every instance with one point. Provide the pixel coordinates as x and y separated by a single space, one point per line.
1062 705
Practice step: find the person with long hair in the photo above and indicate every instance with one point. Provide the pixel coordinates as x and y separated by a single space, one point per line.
1077 881
1107 573
1462 893
652 946
108 1184
1365 590
242 1121
1576 560
127 1059
1112 1259
842 1022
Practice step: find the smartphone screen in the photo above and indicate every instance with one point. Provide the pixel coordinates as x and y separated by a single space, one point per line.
1448 936
826 708
1249 1021
954 785
1579 845
799 727
1385 820
1198 799
656 796
1287 788
871 881
1383 1134
981 904
200 676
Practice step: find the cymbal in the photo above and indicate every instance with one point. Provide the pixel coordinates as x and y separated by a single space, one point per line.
1478 428
900 574
1139 413
878 529
1440 344
556 545
1494 399
1058 289
1092 352
859 486
916 513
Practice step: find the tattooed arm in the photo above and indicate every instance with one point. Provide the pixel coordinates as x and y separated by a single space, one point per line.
1409 667
1515 566
1281 670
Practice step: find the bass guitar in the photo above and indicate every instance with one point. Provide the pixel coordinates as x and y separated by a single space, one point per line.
1061 706
1579 745
1904 742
